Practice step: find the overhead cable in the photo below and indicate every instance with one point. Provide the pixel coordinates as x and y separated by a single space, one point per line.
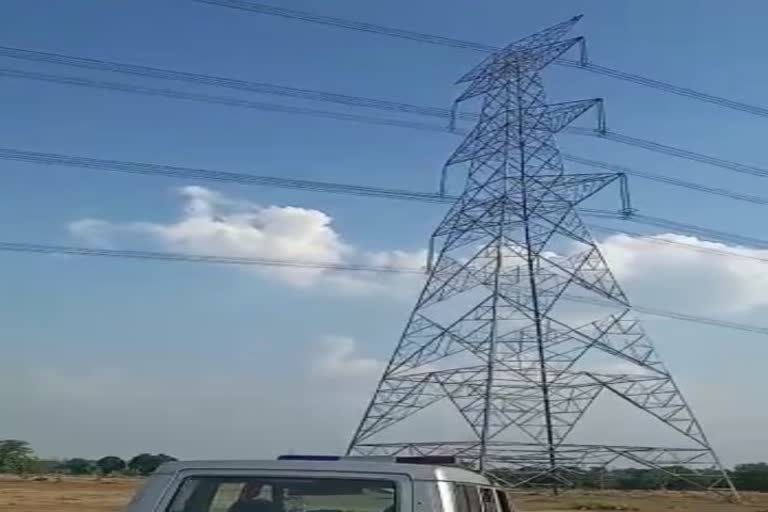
342 116
661 178
141 168
353 101
247 261
657 147
196 258
173 171
583 64
745 253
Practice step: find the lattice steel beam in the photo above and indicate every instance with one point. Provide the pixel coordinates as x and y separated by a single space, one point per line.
491 335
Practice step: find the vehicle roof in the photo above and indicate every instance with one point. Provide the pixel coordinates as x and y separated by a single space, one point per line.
415 471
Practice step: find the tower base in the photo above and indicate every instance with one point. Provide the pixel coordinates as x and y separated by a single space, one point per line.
526 465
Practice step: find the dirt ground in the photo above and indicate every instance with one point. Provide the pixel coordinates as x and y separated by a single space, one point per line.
641 501
110 495
65 495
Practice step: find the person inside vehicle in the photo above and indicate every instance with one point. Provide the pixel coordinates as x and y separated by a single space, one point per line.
250 499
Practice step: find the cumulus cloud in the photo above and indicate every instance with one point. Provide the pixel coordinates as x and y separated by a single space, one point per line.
213 223
654 269
695 276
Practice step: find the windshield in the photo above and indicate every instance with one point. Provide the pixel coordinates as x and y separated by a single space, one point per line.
250 494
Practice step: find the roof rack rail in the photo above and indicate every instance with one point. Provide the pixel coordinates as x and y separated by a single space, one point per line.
309 457
436 460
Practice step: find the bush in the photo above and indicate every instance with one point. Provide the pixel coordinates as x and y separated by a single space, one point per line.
110 464
146 463
79 466
16 456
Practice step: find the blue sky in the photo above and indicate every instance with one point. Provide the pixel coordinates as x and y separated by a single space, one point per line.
70 324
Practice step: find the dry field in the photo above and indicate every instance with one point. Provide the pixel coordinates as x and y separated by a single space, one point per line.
109 495
66 495
641 501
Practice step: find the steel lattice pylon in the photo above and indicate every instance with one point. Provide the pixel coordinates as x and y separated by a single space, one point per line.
489 335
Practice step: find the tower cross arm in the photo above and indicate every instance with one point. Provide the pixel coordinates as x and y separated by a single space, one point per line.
553 118
572 189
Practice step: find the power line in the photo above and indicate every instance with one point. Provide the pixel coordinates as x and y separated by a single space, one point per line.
18 247
341 99
673 151
679 244
583 64
352 25
141 168
173 171
196 258
212 99
660 178
223 176
713 234
230 83
182 172
341 116
674 315
137 168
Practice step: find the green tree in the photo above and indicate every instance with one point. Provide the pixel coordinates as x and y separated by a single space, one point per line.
147 463
78 466
16 456
110 464
751 477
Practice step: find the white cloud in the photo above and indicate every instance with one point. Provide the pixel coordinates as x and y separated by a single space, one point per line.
655 270
212 223
393 284
658 270
94 231
337 359
619 367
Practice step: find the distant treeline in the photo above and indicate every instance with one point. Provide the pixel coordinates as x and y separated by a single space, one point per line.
18 457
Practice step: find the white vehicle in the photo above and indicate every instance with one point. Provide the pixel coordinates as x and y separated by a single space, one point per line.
319 484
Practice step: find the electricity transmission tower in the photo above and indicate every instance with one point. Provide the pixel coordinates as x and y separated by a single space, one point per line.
521 329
